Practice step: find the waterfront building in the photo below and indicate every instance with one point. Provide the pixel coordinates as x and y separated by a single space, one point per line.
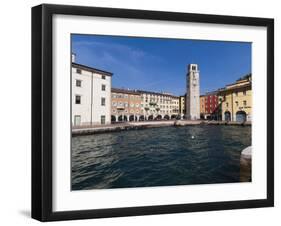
202 107
209 106
157 106
236 100
175 105
192 93
125 105
91 95
182 105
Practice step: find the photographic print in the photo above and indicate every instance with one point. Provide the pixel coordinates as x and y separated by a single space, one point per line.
139 112
151 112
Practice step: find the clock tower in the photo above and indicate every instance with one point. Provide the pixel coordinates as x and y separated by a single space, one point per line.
192 92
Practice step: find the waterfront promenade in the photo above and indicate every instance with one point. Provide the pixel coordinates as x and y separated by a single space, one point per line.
116 127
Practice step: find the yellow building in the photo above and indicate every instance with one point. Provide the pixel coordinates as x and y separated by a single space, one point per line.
202 106
236 100
182 105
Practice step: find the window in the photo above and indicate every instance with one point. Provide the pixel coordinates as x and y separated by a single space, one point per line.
226 104
245 103
236 93
78 83
244 92
102 119
77 99
103 76
114 104
103 87
193 68
78 71
236 102
102 101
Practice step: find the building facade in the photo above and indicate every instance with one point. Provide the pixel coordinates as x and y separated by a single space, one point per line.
157 106
236 100
125 105
95 102
202 106
91 95
175 105
182 106
193 93
209 106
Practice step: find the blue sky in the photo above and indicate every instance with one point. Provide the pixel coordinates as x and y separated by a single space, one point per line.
161 64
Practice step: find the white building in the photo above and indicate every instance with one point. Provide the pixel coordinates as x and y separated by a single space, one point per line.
91 95
192 92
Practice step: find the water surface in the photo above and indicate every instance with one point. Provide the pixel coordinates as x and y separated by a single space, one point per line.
202 154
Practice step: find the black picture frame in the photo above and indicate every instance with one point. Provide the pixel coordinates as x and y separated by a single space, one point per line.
42 107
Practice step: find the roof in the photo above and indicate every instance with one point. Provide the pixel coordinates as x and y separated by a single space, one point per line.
211 93
245 77
157 93
127 91
234 88
91 69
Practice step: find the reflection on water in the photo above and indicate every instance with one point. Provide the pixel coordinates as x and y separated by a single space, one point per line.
159 157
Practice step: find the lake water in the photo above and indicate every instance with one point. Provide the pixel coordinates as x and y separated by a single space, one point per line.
159 157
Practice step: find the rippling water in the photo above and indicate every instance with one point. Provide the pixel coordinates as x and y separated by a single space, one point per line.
159 157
